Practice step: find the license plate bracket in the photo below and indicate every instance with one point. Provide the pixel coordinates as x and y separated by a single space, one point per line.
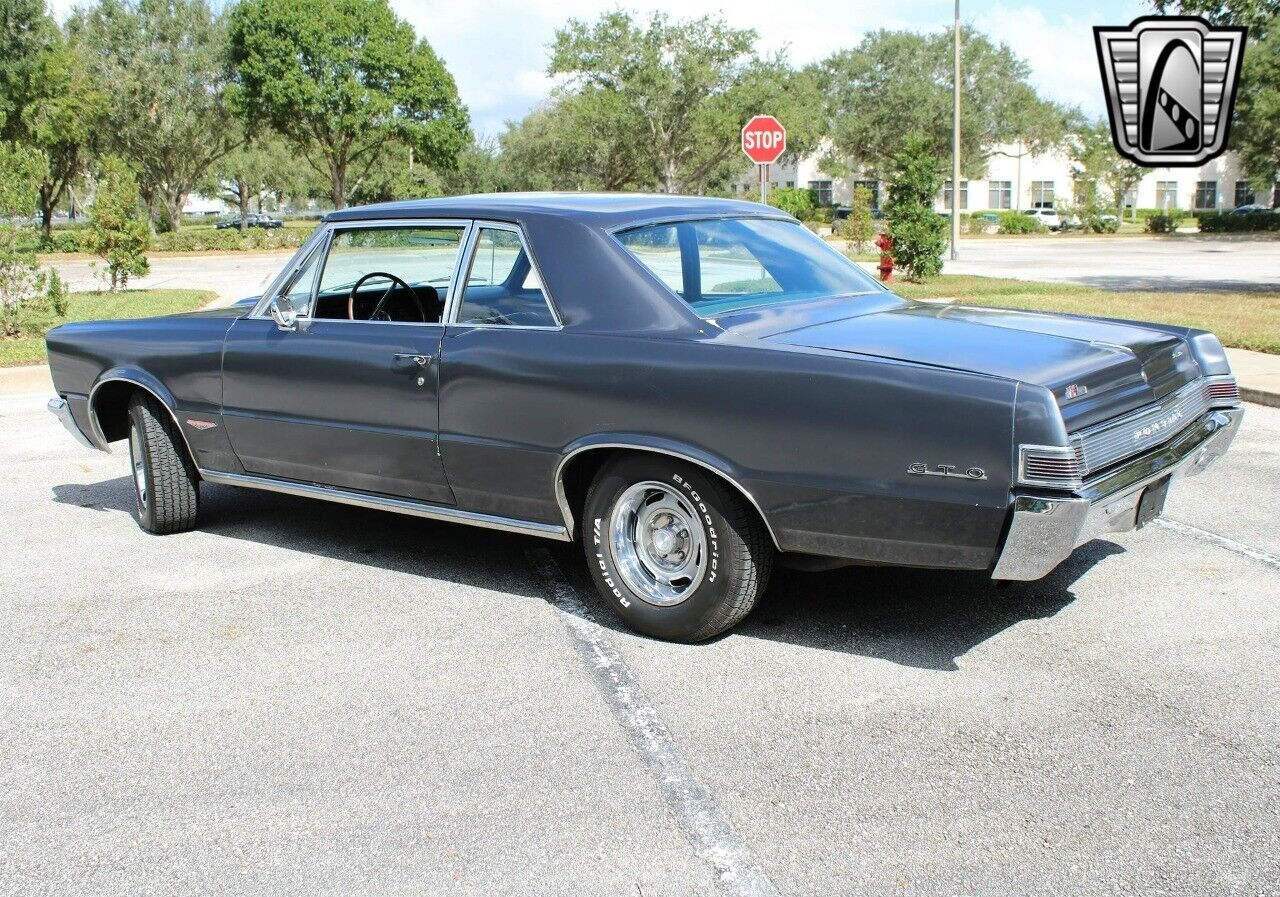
1152 504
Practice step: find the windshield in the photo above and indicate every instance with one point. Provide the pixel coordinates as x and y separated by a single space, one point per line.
724 265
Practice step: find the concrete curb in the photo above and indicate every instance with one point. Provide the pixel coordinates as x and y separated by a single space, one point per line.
28 379
1260 397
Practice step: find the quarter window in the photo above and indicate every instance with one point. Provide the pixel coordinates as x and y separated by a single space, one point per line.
299 289
502 285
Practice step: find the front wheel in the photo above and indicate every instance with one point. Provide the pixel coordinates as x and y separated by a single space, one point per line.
165 483
678 553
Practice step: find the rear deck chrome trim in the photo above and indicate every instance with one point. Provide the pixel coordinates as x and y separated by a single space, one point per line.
388 503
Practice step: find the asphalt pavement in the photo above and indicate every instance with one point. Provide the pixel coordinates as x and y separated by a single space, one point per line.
302 698
1185 262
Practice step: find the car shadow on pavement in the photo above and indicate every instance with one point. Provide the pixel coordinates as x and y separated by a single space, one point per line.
917 618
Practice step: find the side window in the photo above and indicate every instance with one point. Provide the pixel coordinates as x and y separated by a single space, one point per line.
398 274
502 286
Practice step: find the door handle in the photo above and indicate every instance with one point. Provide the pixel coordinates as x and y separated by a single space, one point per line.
410 358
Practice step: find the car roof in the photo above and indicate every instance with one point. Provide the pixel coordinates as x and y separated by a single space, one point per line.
604 210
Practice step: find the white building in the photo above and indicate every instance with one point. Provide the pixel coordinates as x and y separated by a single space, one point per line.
1018 180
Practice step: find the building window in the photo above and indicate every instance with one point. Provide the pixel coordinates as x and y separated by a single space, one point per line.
1000 194
1042 194
1166 194
1244 196
1131 198
1206 194
964 195
821 192
1275 196
790 184
874 187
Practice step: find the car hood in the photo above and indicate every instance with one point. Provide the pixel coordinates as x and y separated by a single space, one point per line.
1096 369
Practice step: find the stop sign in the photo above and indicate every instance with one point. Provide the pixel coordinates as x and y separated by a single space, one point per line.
764 139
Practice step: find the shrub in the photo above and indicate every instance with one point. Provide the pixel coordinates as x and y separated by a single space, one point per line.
1018 223
795 201
115 232
859 227
1224 223
919 233
20 278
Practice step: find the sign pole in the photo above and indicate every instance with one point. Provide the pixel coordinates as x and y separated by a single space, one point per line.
955 142
764 184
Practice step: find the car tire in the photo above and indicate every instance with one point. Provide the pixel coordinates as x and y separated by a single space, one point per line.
682 588
165 483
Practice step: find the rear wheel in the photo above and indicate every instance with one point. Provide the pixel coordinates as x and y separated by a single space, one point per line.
165 483
678 553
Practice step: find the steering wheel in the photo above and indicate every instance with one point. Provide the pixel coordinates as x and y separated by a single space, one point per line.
378 308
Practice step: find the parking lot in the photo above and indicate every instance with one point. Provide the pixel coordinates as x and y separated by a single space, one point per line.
306 698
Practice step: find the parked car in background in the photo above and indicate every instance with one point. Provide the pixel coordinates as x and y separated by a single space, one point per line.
263 221
1048 217
1253 208
692 389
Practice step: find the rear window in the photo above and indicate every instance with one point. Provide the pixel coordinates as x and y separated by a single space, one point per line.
724 265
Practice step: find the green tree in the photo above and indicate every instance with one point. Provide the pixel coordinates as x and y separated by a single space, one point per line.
683 89
116 234
859 227
344 79
263 164
899 83
1101 174
163 64
20 278
47 99
919 233
579 140
1255 132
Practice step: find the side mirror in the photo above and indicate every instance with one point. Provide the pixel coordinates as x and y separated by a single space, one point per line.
281 311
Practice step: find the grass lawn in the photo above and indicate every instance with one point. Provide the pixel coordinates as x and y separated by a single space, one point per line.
36 320
1241 320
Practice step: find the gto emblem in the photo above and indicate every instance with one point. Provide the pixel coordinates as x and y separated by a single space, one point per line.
919 468
1074 390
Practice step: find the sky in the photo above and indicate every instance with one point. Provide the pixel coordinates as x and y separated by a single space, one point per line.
497 50
499 57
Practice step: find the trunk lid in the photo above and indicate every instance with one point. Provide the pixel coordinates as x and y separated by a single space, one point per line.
1096 369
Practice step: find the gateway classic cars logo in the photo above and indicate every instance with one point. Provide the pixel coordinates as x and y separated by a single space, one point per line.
1170 83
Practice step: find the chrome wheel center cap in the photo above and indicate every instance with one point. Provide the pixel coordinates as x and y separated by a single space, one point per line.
664 541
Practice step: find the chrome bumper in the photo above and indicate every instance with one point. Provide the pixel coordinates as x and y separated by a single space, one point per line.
62 411
1046 529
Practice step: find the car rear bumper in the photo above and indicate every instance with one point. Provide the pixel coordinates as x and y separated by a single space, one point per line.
1045 529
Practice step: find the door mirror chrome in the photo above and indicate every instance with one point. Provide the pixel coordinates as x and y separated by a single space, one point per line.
281 311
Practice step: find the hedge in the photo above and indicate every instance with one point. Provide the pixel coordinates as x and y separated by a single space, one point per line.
1224 223
189 240
1018 223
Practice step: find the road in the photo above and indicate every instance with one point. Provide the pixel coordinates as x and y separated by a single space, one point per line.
232 275
1210 264
302 698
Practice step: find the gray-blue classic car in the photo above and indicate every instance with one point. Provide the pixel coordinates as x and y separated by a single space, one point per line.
694 389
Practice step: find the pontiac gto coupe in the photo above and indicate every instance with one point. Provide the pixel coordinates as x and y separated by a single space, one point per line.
694 389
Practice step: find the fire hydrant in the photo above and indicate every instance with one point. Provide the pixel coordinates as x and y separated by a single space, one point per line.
885 243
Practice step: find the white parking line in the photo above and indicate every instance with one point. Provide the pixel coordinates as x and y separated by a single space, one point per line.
1204 535
704 825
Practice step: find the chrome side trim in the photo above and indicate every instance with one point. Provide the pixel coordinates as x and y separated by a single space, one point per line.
388 503
97 427
62 411
563 501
